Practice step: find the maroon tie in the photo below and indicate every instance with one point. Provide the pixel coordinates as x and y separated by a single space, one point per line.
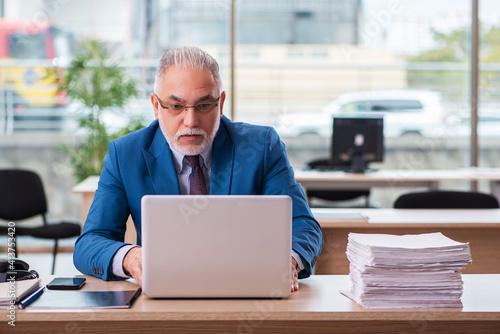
196 179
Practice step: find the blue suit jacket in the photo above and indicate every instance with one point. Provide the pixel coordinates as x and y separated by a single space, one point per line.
246 160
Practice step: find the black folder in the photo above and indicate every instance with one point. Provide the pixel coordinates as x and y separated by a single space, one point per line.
86 299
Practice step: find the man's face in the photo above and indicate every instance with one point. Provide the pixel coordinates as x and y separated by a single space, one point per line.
188 131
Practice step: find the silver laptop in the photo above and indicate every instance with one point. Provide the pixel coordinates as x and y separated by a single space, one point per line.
216 246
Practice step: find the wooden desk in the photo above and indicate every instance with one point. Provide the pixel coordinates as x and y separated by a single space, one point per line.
317 307
480 227
430 179
87 189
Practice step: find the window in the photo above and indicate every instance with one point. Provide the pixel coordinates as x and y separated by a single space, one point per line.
27 46
395 105
370 45
353 107
293 59
489 84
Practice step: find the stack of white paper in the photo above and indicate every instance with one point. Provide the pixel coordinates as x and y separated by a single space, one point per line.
420 270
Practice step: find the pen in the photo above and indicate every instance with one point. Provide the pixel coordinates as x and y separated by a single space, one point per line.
134 297
28 300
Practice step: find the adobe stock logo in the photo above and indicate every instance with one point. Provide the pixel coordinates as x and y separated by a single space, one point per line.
380 20
194 209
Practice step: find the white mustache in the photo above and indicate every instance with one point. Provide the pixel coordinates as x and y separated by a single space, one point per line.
188 131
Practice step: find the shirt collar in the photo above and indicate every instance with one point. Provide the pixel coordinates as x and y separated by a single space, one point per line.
179 159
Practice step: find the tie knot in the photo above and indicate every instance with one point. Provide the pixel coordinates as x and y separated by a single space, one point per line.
194 160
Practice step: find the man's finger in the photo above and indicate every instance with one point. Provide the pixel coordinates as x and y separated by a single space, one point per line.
295 276
132 264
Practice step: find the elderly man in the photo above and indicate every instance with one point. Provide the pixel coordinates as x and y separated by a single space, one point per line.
190 134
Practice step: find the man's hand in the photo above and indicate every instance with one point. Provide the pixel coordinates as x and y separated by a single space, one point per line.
132 264
295 276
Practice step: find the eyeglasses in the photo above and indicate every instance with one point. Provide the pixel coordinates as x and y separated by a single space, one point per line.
202 108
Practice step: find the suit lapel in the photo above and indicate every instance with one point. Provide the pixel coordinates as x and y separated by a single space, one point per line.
222 161
161 166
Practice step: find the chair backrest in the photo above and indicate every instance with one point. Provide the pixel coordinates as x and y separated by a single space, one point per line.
314 164
446 200
21 194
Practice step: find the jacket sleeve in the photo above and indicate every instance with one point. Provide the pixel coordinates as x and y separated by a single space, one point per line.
104 230
279 179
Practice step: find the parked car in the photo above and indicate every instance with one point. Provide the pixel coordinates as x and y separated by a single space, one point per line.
488 122
405 112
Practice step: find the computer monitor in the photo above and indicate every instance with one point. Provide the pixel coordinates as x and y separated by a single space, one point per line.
357 141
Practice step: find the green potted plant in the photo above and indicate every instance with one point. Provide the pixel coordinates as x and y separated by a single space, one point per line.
97 84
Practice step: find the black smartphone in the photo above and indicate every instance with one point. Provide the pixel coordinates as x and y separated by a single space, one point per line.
66 283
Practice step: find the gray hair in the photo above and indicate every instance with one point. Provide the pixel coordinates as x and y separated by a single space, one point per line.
186 57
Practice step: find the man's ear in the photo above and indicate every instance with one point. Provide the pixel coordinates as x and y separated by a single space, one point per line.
222 99
154 102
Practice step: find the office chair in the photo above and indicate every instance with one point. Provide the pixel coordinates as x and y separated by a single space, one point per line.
337 194
22 196
446 200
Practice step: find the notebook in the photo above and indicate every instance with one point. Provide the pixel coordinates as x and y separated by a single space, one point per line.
216 246
16 291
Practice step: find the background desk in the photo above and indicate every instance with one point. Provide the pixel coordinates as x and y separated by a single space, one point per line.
317 307
396 178
481 228
87 189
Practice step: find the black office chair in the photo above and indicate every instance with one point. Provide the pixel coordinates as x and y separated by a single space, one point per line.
22 196
334 195
446 200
